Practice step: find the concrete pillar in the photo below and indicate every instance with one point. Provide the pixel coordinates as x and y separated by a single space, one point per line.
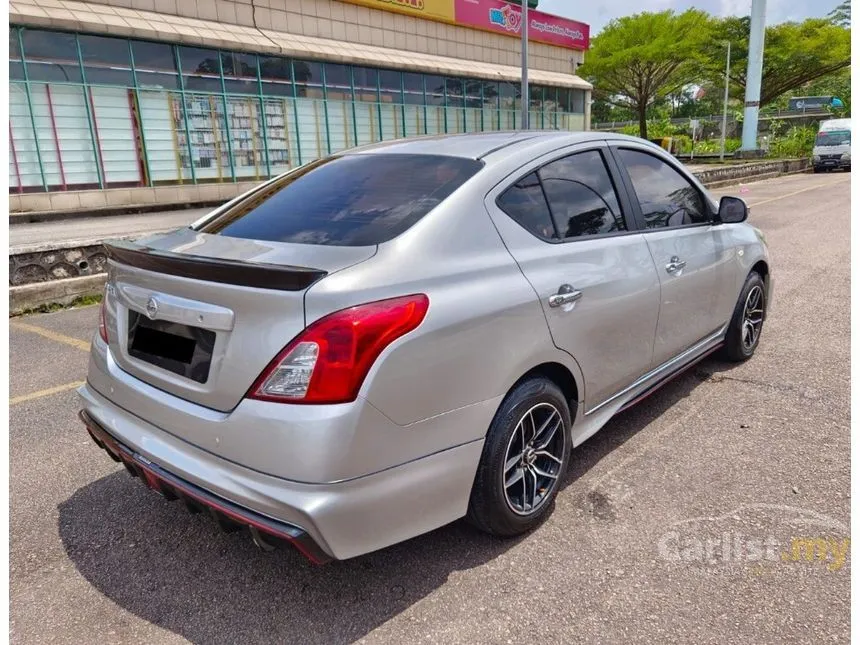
587 124
754 65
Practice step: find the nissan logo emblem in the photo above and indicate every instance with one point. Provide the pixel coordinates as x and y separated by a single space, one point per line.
152 308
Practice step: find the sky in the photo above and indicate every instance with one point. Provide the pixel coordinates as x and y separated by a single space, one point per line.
597 14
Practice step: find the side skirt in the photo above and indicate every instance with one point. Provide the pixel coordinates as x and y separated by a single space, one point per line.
669 377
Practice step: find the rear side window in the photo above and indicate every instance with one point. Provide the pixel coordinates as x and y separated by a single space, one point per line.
525 203
581 196
350 200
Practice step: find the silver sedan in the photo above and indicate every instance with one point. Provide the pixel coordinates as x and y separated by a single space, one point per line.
388 339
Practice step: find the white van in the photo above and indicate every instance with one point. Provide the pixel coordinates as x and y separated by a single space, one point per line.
832 145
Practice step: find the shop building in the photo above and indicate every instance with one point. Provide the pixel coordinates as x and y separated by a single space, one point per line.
141 101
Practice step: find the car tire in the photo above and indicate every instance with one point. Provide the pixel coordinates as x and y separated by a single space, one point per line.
532 425
817 170
744 331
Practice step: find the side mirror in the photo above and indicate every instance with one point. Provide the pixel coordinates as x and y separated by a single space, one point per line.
733 210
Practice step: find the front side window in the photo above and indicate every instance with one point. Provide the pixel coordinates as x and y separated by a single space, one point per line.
581 196
666 198
350 200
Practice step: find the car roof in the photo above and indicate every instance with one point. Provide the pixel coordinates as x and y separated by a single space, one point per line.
480 145
834 124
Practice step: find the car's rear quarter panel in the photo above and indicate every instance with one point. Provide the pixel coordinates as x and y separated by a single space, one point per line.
484 329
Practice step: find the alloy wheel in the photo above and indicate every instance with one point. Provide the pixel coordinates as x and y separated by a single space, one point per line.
753 317
533 459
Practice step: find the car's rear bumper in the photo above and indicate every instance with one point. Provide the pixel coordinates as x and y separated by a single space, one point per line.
228 515
339 520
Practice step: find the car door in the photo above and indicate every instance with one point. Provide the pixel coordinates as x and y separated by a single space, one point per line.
691 255
570 231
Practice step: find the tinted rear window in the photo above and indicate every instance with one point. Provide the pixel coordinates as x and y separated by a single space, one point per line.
352 200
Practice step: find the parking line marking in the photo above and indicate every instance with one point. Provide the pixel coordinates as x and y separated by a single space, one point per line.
41 393
796 192
47 333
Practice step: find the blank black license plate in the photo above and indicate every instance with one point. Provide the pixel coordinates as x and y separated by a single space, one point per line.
181 349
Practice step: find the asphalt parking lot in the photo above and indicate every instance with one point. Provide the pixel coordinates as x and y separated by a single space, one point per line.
716 511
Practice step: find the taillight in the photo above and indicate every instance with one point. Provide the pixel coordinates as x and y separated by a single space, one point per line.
102 318
328 361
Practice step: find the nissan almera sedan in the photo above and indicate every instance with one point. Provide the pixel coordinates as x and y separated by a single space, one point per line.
386 340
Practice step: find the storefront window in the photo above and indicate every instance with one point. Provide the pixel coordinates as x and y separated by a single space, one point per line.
240 73
338 85
51 56
413 88
535 97
16 65
491 94
434 88
308 78
236 117
509 94
201 69
389 86
578 101
366 84
550 99
107 61
454 90
155 65
276 74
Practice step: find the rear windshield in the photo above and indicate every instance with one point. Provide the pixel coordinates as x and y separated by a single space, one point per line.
833 138
352 200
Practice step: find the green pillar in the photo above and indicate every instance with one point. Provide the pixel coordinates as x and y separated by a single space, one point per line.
263 118
226 119
185 118
325 112
90 117
295 111
32 116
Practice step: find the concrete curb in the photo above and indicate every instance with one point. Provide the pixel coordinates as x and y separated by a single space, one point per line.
28 217
42 247
753 179
747 172
63 292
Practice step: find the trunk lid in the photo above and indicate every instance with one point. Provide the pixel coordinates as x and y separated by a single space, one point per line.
200 316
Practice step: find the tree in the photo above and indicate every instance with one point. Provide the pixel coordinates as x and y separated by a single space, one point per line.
841 15
794 54
638 60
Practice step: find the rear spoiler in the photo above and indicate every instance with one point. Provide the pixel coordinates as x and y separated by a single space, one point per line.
244 274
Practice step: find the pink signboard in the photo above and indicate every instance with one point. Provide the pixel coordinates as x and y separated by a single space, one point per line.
503 18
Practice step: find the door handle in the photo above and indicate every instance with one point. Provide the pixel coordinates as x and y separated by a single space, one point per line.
566 294
675 264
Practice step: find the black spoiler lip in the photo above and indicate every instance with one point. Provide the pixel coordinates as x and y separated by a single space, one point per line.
244 274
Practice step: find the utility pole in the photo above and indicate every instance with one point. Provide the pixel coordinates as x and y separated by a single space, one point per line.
725 101
754 64
524 89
